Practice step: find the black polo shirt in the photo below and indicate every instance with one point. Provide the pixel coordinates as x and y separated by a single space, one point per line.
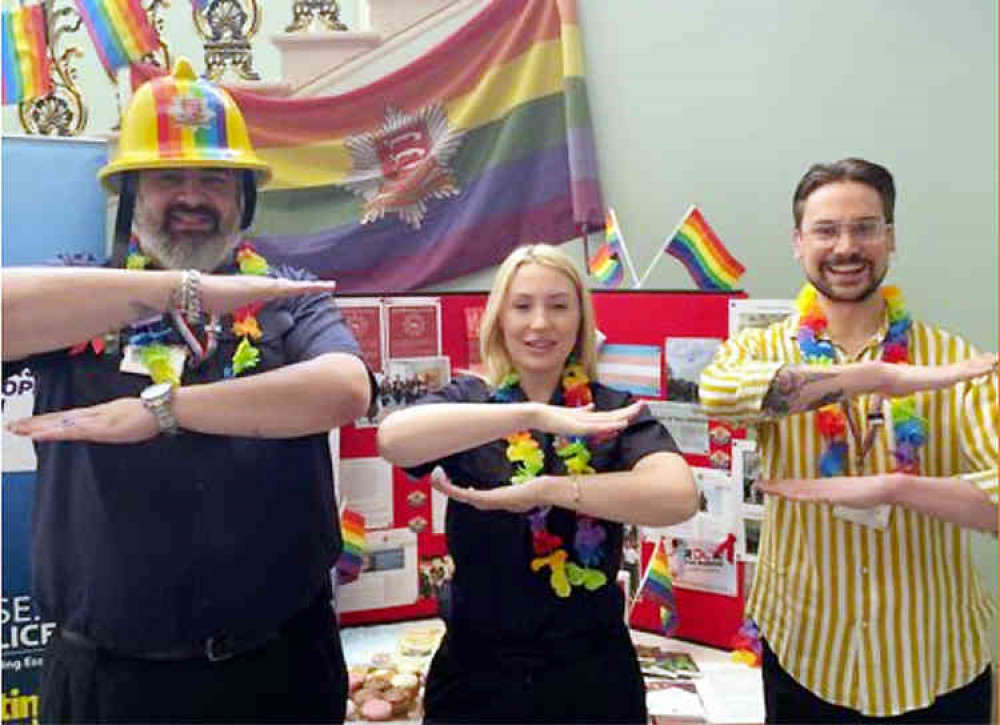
167 542
494 594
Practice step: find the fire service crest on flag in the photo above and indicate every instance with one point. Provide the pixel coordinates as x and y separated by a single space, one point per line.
402 165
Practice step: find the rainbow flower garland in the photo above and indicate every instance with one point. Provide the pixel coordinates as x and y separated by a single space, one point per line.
528 459
910 429
152 338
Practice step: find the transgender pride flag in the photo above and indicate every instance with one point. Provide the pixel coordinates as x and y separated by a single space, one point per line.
630 368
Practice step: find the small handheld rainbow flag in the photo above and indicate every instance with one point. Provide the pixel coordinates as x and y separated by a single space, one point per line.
698 248
352 531
659 583
606 264
27 69
120 29
658 586
609 261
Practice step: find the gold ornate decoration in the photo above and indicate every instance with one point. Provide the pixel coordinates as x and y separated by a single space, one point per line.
160 56
226 27
306 13
62 112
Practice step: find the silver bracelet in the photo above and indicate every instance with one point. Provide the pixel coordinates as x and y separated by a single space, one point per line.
188 296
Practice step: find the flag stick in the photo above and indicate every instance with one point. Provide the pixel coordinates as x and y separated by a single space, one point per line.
667 241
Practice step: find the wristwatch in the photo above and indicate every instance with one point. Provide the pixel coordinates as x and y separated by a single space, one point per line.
158 400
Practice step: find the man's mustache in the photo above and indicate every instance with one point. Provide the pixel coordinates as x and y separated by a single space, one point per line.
847 259
186 209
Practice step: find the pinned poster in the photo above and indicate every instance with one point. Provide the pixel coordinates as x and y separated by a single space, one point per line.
414 327
707 566
366 319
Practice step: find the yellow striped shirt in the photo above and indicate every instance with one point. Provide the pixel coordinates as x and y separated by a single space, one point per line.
878 621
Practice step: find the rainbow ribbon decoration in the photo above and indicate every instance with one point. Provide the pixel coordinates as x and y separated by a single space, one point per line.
699 249
352 531
606 264
120 29
27 69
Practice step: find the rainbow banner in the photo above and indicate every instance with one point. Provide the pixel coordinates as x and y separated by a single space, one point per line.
352 532
27 69
440 168
606 265
120 29
698 248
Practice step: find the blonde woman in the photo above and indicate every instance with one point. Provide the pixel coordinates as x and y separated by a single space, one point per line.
545 464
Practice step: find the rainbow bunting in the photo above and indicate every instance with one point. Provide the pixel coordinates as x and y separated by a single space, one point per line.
708 261
120 29
606 264
352 531
27 70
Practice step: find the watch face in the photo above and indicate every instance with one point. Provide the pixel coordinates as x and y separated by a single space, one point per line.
153 392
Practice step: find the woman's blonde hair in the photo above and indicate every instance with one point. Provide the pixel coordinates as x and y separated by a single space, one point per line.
495 356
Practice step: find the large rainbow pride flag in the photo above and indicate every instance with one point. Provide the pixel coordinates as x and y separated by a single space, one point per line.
706 258
120 29
27 69
440 168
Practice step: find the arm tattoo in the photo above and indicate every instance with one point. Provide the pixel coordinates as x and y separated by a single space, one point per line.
793 390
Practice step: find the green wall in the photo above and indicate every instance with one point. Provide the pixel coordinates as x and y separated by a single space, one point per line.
725 104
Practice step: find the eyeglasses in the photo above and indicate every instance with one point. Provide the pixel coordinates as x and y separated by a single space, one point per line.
862 230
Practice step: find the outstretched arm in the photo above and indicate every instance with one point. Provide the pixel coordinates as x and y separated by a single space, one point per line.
301 399
957 500
430 432
968 500
744 383
658 491
48 309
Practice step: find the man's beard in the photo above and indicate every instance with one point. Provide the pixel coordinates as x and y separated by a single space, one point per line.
827 291
204 251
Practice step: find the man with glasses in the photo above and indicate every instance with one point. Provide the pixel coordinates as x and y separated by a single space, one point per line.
878 440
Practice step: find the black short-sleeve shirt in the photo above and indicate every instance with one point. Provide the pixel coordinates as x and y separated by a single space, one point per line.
169 541
494 593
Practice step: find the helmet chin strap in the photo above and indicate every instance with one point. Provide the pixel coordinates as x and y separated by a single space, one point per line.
249 199
123 220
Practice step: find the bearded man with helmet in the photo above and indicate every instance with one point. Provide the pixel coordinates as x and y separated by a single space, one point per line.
184 521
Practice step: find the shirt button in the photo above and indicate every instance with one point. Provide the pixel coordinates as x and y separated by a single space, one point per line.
864 624
864 570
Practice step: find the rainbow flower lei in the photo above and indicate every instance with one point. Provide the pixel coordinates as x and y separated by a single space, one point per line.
528 458
151 339
910 429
